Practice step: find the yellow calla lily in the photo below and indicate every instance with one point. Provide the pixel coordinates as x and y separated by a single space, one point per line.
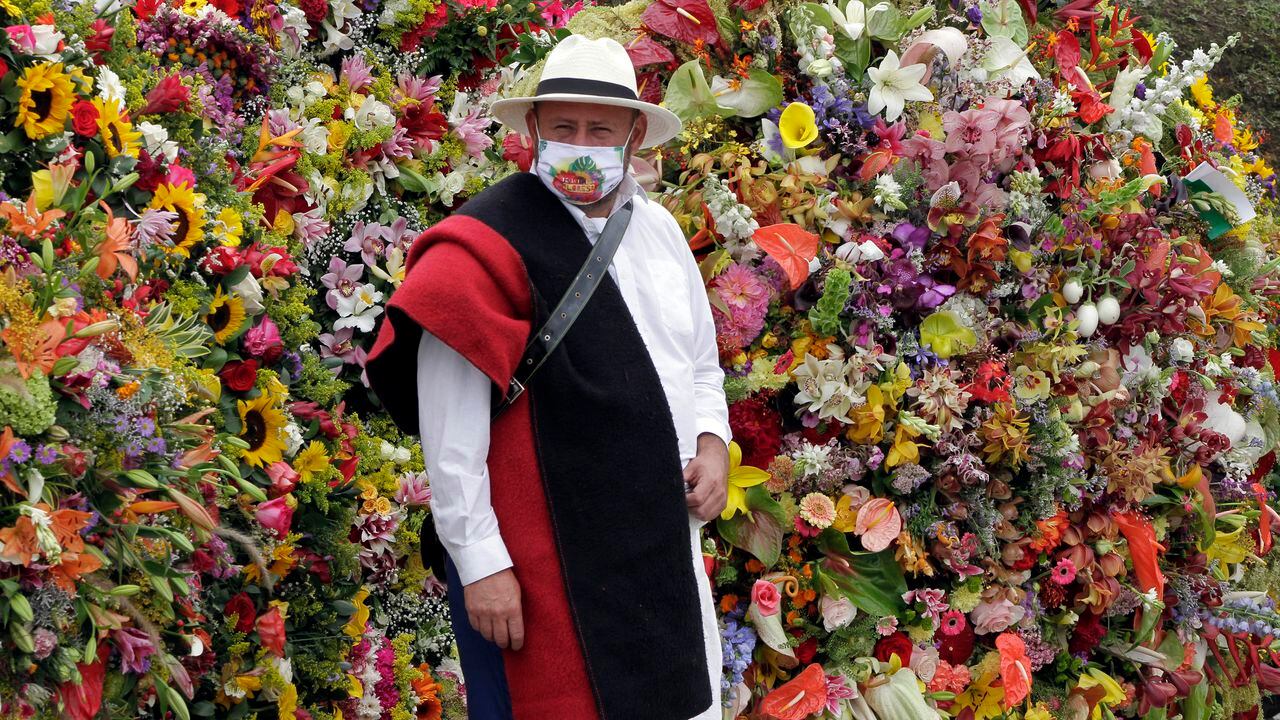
741 477
1094 677
797 126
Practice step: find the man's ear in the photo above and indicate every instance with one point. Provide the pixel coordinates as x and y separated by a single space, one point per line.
638 134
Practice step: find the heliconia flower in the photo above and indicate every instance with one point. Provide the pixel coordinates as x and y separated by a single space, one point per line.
797 125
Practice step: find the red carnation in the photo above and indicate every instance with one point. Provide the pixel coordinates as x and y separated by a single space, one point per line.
167 96
896 644
242 607
315 10
1088 633
85 118
957 649
239 375
757 428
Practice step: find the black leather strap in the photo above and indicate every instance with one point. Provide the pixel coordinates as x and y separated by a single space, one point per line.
570 306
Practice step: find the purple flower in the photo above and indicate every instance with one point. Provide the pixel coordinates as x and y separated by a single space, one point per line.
45 641
911 237
47 454
339 344
342 281
156 445
974 13
368 240
20 451
135 648
154 227
146 426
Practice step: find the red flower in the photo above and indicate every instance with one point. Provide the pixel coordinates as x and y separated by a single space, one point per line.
144 9
896 644
757 428
167 96
84 118
316 10
271 631
242 607
806 651
518 148
4 68
991 383
283 478
958 648
82 700
221 260
424 122
239 375
100 41
1088 633
275 515
230 7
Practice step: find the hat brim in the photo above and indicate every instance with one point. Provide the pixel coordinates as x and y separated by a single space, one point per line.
663 124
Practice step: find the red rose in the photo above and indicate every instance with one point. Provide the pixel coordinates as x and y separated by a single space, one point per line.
896 644
807 650
271 631
239 375
85 118
242 607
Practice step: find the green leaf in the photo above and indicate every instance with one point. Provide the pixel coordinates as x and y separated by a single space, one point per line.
885 23
1003 18
161 585
90 649
759 531
855 54
756 95
21 608
173 699
872 581
22 638
412 180
690 97
142 478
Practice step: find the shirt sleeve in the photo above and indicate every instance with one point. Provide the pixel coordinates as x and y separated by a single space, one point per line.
712 410
453 415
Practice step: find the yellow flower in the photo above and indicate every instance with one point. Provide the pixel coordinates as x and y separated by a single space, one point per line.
232 227
797 125
1202 92
1228 550
944 334
983 698
226 315
188 227
117 133
741 477
868 419
310 460
846 517
355 626
904 450
1007 435
287 704
1030 385
1115 694
51 184
45 95
262 426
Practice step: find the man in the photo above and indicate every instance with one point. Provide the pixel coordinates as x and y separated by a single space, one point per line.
572 521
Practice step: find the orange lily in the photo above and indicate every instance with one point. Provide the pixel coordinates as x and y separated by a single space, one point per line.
113 251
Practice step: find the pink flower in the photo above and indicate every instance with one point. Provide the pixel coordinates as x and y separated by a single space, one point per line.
766 597
135 648
994 617
471 130
275 515
179 175
878 523
836 612
747 297
263 341
270 627
1064 573
413 490
949 678
837 690
953 623
970 132
283 478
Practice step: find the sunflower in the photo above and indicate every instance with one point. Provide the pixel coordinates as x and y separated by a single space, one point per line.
118 135
226 315
45 95
188 229
262 427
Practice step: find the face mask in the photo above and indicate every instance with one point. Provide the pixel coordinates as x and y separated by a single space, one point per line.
581 174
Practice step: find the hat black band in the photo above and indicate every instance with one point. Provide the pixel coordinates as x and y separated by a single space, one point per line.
580 86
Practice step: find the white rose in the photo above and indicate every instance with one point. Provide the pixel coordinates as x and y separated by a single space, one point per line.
924 662
1181 350
251 292
373 113
836 612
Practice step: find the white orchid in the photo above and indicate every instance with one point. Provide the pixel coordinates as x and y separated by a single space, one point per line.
360 309
893 85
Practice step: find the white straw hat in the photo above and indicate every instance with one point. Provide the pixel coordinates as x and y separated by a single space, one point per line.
590 71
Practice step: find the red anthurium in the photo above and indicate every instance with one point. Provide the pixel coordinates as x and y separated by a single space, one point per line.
1144 550
644 50
82 700
803 696
685 20
1067 51
792 246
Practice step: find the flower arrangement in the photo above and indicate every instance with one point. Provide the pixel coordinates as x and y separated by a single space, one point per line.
994 283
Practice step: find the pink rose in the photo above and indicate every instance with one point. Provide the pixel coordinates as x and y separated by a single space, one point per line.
994 617
283 478
836 612
766 597
275 515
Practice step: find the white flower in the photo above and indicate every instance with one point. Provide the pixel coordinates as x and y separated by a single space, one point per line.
359 309
836 612
251 292
852 21
315 137
888 193
893 85
293 440
1181 350
345 9
109 85
373 113
157 141
335 39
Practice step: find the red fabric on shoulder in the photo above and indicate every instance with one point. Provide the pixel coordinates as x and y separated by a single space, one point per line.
467 286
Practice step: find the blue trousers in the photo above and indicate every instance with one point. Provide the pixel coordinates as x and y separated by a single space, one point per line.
482 668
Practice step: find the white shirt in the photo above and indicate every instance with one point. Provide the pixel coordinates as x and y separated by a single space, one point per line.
663 290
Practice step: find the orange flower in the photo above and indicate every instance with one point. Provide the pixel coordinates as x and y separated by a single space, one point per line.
67 525
18 544
428 691
37 353
113 251
27 219
6 443
73 566
1015 669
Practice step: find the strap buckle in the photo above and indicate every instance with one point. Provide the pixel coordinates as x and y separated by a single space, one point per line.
514 390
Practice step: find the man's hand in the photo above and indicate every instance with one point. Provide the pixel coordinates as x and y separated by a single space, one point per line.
493 607
708 478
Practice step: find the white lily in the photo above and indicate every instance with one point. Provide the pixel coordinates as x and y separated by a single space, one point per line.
893 85
852 21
